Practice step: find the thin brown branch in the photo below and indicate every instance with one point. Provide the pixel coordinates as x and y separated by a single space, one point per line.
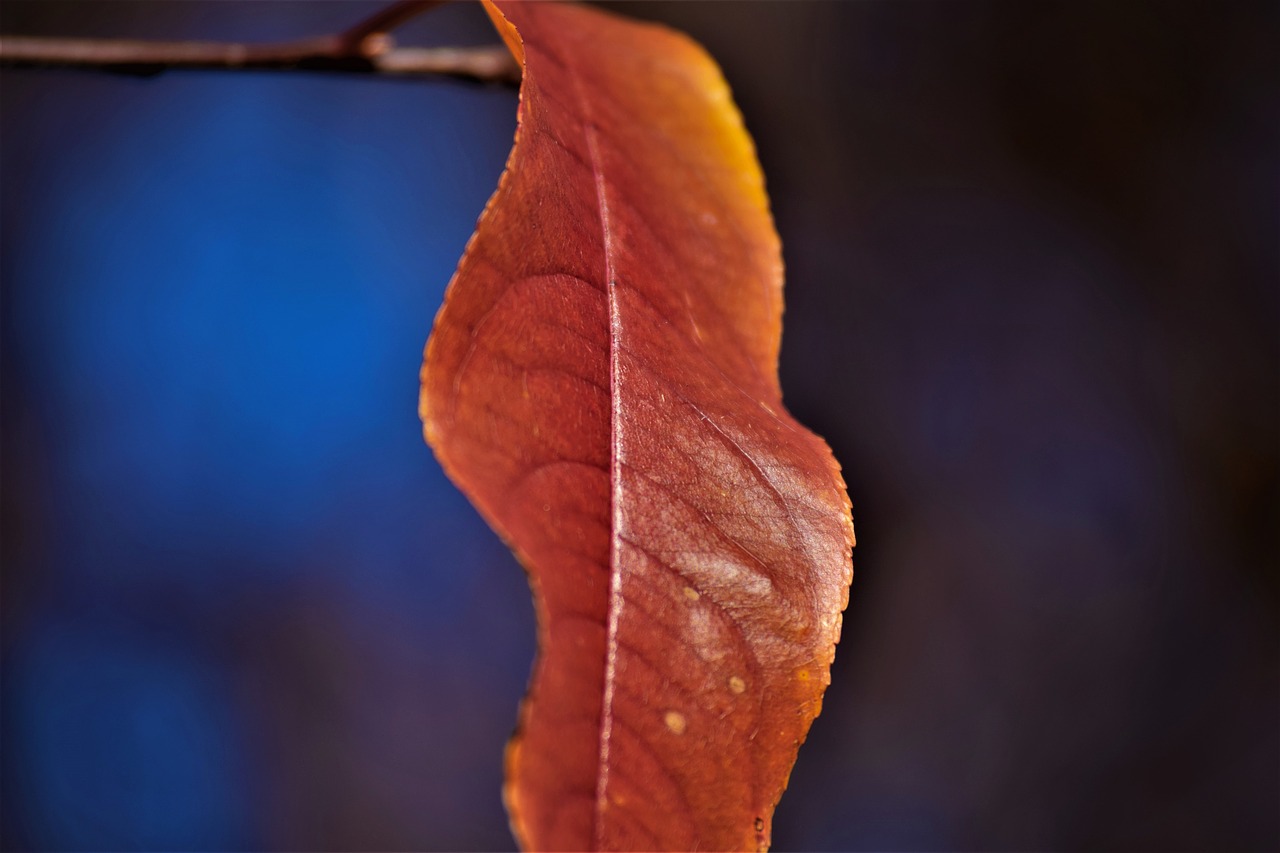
385 20
366 47
485 64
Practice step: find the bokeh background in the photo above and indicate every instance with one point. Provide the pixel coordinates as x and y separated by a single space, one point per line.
1033 304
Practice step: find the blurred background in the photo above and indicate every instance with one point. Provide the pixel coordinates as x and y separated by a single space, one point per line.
1033 304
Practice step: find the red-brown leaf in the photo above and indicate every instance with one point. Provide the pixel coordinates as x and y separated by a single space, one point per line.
601 382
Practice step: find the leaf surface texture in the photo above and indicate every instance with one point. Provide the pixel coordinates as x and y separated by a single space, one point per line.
602 383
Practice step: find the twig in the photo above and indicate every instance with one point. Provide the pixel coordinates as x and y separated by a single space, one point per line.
366 47
387 19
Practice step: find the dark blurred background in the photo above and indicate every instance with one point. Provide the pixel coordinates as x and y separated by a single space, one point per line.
1033 304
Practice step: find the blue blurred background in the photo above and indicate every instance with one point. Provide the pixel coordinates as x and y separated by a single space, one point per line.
1033 304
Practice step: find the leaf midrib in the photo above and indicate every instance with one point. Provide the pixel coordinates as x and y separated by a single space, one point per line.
615 485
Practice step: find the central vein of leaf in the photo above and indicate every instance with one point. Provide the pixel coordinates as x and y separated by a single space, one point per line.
615 486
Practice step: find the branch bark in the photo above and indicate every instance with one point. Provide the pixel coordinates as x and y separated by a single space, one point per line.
366 47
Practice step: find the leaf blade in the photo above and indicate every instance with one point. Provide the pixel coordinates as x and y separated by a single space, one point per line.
601 381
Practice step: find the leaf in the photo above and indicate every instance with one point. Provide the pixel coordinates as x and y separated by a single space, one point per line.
601 382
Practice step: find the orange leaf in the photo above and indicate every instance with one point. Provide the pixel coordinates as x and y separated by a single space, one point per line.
601 382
